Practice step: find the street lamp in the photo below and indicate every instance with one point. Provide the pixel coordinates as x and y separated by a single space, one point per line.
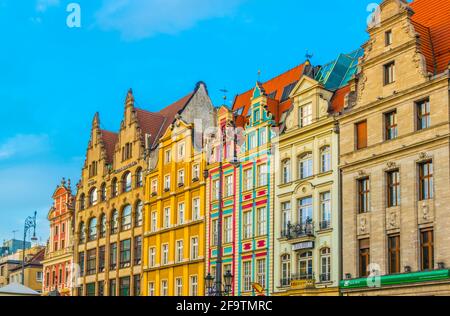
30 222
215 288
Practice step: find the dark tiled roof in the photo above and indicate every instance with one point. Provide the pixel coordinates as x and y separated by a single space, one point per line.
109 141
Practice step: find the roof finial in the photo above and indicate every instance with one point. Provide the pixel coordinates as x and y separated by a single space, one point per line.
130 98
308 57
224 91
259 75
96 120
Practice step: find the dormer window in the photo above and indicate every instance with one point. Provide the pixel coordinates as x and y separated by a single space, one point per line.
256 115
305 115
388 38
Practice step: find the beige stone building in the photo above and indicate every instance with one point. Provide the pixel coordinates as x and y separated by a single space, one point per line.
394 155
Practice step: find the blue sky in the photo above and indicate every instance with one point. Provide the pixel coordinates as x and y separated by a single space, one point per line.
54 78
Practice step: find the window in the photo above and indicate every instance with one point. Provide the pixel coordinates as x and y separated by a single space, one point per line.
91 262
252 141
82 233
125 253
126 218
426 191
363 195
127 151
393 188
114 188
139 178
305 166
124 286
179 252
102 226
82 201
137 250
181 214
229 186
426 249
389 73
137 285
247 227
325 210
215 233
103 192
304 265
81 263
388 38
152 257
364 257
394 254
390 123
165 254
285 215
181 151
180 177
286 171
167 156
263 136
262 175
261 272
261 224
90 289
247 277
101 259
154 187
93 197
166 223
112 287
196 209
325 159
248 179
325 265
138 220
164 290
151 289
92 234
93 169
423 114
38 276
227 230
101 288
285 270
179 287
194 248
305 210
126 182
196 172
305 115
193 286
113 256
167 183
154 221
215 189
256 115
114 222
361 135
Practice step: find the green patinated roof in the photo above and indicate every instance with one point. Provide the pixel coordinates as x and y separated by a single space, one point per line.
337 73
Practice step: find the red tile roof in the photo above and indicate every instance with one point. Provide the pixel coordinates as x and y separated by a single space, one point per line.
150 123
338 99
432 21
275 85
109 141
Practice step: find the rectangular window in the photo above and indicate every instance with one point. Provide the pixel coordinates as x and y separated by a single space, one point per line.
215 232
196 209
181 214
164 291
181 151
154 222
101 259
252 141
262 175
137 285
166 223
179 287
285 216
426 249
194 248
112 287
124 286
325 210
91 261
389 73
137 250
305 115
363 195
229 186
247 276
215 189
195 172
261 225
256 115
394 254
364 257
81 263
263 136
179 252
305 211
248 179
393 188
361 135
125 253
90 289
193 286
426 191
154 187
261 272
390 122
167 183
151 289
180 178
152 257
388 38
165 254
167 156
101 288
227 230
247 227
423 114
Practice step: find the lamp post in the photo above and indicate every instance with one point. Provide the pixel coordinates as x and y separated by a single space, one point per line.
30 222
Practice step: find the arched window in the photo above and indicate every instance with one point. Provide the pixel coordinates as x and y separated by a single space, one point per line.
82 201
138 214
285 270
304 265
92 229
126 182
114 222
114 190
325 159
325 265
103 192
305 166
93 196
102 226
126 218
139 178
82 233
286 165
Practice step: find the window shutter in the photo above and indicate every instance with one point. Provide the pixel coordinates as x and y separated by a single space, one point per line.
361 135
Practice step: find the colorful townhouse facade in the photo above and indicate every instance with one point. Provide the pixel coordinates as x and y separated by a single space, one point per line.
58 264
394 155
174 230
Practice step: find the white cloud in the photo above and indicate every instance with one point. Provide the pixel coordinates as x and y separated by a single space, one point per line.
24 145
137 19
43 5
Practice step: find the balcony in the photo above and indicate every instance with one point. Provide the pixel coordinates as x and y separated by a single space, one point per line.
325 277
303 281
296 231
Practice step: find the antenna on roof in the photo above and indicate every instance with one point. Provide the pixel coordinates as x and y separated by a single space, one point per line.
308 56
259 75
224 91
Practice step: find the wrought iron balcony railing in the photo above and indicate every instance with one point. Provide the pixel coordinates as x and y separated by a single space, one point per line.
325 224
293 231
325 277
